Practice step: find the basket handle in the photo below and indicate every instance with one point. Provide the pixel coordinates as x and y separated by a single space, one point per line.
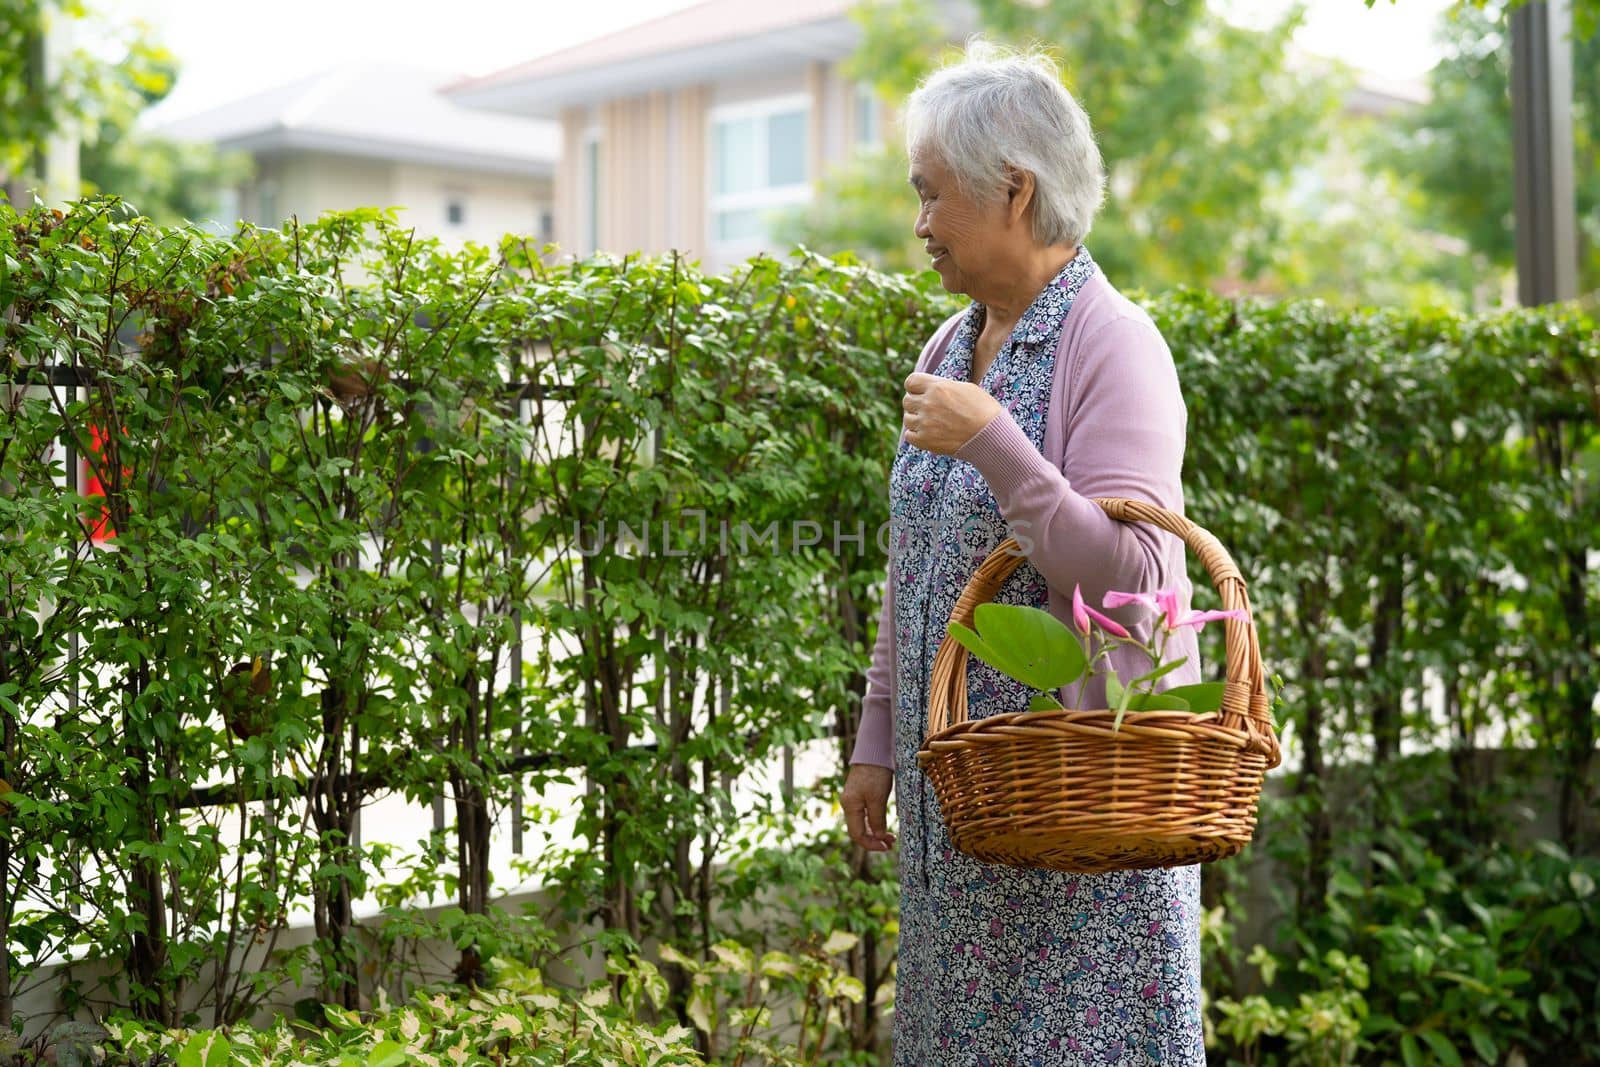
1244 696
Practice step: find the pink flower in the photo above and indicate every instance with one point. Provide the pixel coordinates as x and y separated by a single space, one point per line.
1169 603
1198 619
1122 600
1082 613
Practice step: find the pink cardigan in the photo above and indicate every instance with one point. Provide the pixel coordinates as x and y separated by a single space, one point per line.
1116 428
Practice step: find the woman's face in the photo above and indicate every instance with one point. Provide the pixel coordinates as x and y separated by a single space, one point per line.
966 237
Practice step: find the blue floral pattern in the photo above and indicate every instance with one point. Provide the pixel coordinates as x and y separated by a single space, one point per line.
1000 966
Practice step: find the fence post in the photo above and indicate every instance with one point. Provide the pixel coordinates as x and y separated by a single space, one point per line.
1541 109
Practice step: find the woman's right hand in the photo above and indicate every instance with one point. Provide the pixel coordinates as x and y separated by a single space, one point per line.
866 806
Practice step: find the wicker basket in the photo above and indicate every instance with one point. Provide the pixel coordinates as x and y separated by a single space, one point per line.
1061 789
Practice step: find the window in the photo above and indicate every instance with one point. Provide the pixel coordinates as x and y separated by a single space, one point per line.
591 190
869 128
455 211
267 203
759 165
230 209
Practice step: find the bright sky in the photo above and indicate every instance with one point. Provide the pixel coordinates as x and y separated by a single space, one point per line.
230 49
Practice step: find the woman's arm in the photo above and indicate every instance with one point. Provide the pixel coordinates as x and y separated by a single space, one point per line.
875 737
1125 438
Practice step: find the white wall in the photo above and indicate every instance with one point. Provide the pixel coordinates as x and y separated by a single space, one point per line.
308 184
494 204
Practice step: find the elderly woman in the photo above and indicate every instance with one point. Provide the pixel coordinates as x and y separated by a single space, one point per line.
1049 390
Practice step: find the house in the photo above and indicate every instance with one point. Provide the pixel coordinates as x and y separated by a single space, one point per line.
384 136
693 130
690 130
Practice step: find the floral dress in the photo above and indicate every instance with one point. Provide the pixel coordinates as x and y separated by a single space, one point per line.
1000 966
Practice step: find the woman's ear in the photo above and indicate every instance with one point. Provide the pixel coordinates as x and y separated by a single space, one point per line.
1019 193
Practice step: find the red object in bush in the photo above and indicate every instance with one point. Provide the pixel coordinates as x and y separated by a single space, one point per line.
102 530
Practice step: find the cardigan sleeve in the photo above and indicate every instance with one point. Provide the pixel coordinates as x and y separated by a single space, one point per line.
1124 437
875 736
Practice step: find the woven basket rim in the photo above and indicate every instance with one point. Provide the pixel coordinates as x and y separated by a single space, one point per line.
1246 715
1178 726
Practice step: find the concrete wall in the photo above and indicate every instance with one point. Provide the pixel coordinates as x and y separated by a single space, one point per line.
308 184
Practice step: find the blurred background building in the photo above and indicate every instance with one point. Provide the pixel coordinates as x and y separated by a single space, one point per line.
726 129
694 130
382 136
1354 154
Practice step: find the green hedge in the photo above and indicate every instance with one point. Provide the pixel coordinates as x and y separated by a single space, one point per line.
1415 499
330 527
332 521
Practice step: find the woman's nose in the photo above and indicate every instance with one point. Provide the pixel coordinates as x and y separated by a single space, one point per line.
921 227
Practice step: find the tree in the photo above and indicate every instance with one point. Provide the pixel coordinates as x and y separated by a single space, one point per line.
102 100
1199 121
865 206
1585 13
169 181
1458 145
28 112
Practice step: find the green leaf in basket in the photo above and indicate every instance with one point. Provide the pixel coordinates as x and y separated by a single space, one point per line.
1126 700
1114 693
1158 702
1028 644
1162 671
1044 702
972 642
1202 697
1117 697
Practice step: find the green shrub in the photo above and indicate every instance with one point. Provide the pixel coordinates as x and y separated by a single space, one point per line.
1438 965
520 1021
337 531
736 1003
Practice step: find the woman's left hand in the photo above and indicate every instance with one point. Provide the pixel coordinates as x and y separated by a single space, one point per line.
942 414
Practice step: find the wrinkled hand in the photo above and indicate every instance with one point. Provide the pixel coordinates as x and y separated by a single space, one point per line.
866 806
942 414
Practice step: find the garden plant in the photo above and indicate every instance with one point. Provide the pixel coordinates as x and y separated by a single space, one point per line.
375 519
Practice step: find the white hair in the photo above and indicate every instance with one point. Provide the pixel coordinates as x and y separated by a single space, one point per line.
995 109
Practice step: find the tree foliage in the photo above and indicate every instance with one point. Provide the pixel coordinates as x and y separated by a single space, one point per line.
28 112
1198 120
167 181
1458 145
99 93
1585 13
